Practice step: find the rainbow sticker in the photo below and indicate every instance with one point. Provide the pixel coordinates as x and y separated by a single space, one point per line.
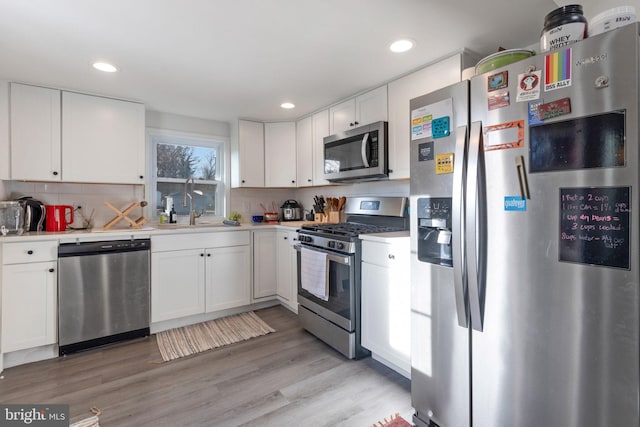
557 70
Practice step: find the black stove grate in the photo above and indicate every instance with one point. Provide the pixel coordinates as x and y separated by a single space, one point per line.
350 229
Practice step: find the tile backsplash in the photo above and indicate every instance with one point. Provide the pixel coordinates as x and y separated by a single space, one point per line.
246 201
89 197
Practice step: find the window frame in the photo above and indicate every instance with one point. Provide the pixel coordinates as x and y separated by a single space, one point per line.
221 143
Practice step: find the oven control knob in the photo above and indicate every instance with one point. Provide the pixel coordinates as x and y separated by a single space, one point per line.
339 245
331 244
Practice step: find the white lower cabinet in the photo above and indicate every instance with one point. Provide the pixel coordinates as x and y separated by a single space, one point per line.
265 283
29 291
177 283
287 268
227 277
386 307
199 273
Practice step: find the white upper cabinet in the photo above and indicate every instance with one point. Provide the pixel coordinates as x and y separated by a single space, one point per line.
364 109
65 136
280 154
35 133
304 152
102 139
320 124
250 154
342 116
401 91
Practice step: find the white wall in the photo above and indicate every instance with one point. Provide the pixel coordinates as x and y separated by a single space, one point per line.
158 120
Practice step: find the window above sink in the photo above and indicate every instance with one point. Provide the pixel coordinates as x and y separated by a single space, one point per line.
176 157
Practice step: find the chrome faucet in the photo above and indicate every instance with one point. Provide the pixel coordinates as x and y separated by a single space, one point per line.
188 193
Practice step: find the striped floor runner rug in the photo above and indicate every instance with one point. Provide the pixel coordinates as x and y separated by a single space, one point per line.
180 342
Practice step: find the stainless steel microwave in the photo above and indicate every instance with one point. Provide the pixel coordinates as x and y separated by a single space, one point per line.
358 154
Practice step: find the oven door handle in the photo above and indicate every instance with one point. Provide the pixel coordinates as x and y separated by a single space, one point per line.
331 256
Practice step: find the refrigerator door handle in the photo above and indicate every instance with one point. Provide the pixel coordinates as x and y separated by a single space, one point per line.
363 150
475 220
457 227
522 177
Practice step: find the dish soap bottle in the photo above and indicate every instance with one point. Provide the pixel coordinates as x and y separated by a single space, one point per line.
172 216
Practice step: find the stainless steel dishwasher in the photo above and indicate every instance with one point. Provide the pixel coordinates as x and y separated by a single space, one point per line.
103 293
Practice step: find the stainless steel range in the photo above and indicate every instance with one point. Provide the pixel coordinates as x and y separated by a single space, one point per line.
329 258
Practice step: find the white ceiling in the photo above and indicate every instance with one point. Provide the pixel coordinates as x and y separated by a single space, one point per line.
224 59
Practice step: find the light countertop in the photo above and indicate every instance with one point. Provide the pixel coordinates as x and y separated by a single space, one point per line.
145 232
384 237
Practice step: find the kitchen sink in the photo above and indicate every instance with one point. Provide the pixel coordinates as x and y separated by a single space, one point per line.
203 224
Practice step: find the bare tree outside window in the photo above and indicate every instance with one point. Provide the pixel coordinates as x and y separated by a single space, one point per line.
179 158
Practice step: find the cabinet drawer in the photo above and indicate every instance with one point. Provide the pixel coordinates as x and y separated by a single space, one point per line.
22 252
176 242
227 238
385 254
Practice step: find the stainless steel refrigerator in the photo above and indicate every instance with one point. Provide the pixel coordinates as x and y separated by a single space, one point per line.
524 242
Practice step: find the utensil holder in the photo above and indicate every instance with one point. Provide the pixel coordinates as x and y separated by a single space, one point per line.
335 217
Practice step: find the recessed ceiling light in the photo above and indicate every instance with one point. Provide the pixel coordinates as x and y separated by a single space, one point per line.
401 45
287 105
105 66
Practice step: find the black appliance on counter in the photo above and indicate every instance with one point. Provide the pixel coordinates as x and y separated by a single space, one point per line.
333 314
291 211
34 213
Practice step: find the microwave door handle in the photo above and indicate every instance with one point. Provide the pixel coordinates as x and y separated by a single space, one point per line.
363 150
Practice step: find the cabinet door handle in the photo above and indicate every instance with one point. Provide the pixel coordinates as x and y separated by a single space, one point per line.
55 173
356 123
51 270
141 176
293 181
285 237
30 252
201 254
392 256
243 181
208 254
309 180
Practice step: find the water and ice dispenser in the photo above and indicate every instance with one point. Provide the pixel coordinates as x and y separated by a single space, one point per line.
434 230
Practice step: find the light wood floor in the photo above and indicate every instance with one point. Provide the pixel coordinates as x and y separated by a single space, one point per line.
288 378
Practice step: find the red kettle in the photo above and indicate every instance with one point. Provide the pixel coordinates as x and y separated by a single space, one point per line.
56 217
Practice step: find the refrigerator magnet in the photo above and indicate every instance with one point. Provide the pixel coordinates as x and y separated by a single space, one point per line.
444 163
497 81
498 99
554 109
425 151
515 204
504 136
528 86
533 114
557 70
